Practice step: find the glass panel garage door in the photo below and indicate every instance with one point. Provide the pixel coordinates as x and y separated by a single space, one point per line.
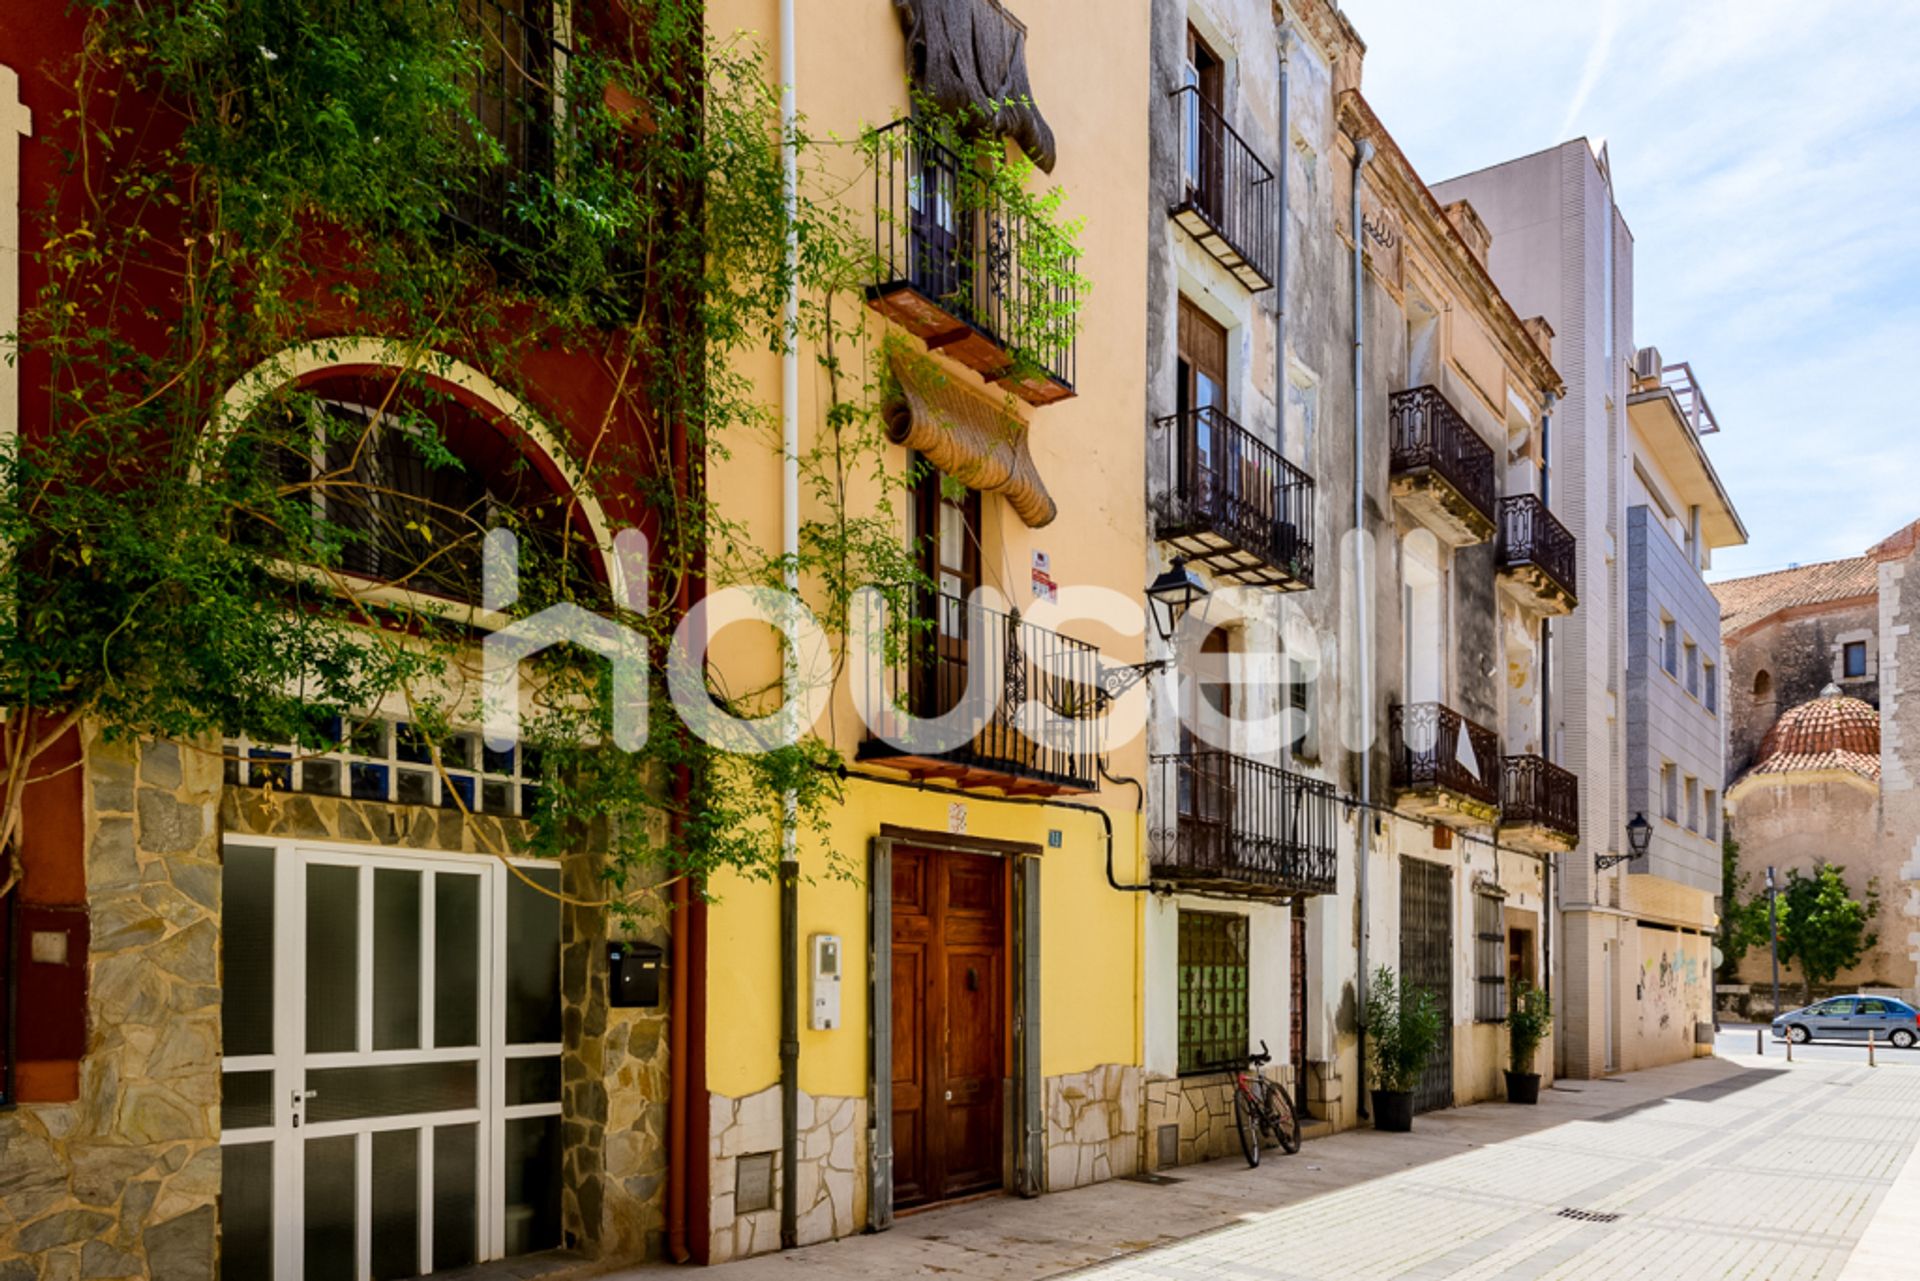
390 1091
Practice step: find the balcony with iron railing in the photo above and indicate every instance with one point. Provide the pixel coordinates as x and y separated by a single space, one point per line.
959 269
1444 765
1443 473
1016 702
1226 198
1539 805
1535 556
1241 827
1232 504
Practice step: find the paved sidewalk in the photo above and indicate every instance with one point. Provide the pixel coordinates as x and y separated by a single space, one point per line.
1730 1167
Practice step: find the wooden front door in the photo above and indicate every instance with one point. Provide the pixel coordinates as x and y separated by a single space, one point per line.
949 1023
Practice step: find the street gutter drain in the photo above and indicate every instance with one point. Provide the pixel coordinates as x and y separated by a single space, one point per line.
1589 1216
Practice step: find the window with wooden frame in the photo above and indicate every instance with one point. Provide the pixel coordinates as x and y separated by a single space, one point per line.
1203 361
1490 956
1205 73
947 526
1213 991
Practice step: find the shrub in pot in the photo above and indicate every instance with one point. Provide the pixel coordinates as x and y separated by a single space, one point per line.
1404 1027
1529 1018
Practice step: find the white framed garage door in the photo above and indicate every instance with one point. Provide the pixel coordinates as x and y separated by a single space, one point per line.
390 1089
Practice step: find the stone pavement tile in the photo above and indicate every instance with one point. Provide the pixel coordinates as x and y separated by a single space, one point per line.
1470 1193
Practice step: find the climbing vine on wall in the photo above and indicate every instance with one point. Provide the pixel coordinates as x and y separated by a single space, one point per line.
242 179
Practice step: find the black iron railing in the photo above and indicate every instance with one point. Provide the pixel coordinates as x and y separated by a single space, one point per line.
939 230
1436 747
1241 823
1536 792
516 99
1426 433
1223 182
1223 480
1023 698
1530 534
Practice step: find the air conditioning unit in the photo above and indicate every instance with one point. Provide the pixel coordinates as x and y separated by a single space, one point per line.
1647 364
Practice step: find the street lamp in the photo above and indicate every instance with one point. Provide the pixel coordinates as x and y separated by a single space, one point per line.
1169 597
1639 837
1172 594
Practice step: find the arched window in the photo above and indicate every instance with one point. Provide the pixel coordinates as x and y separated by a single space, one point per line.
403 484
1763 684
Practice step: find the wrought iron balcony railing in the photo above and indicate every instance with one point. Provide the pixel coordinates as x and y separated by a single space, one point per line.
961 270
1245 827
1233 504
1427 436
1436 748
1018 703
1226 197
1534 792
1532 538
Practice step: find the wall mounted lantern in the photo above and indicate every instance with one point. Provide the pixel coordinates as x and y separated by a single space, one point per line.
1639 837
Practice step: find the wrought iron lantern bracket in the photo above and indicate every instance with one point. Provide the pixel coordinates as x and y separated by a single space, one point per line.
1115 681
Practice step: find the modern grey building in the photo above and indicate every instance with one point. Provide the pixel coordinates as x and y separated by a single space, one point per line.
1634 694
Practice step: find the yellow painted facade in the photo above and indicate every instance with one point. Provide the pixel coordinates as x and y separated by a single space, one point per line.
1087 73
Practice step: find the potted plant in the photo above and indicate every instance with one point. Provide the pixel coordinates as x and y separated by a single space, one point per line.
1529 1019
1404 1027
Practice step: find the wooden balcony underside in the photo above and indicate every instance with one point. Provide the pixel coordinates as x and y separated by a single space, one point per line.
954 338
966 776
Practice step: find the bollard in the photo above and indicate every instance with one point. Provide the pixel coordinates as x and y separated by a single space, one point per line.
1789 1045
1870 1062
1759 1043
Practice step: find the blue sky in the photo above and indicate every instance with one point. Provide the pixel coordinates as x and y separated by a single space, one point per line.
1767 158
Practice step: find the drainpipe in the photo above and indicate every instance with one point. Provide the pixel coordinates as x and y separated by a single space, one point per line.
1362 152
1280 286
790 555
1546 707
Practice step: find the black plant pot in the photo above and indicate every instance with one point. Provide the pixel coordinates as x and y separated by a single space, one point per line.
1393 1110
1523 1087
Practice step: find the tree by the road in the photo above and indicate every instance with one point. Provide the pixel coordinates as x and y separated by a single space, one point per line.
1743 917
1823 928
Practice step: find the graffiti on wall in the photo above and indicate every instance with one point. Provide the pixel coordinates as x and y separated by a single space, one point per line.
1671 986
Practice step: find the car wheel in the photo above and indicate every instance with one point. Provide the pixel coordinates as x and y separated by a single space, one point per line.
1798 1034
1902 1037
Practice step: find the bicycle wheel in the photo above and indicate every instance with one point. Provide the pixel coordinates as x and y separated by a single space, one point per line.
1283 1121
1249 1127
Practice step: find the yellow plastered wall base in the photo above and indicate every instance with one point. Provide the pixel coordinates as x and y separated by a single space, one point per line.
1089 944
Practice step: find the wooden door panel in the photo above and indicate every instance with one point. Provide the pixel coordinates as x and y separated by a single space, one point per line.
949 1023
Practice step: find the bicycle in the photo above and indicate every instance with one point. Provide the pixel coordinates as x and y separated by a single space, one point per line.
1268 1110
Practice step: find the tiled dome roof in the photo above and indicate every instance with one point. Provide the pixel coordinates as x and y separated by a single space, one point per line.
1829 732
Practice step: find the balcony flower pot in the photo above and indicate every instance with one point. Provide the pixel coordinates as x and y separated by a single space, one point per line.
1404 1026
1393 1111
1523 1087
1529 1018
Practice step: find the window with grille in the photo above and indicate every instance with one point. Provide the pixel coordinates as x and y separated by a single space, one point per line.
1490 958
516 99
1213 991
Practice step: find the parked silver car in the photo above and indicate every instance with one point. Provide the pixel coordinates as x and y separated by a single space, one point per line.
1850 1018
